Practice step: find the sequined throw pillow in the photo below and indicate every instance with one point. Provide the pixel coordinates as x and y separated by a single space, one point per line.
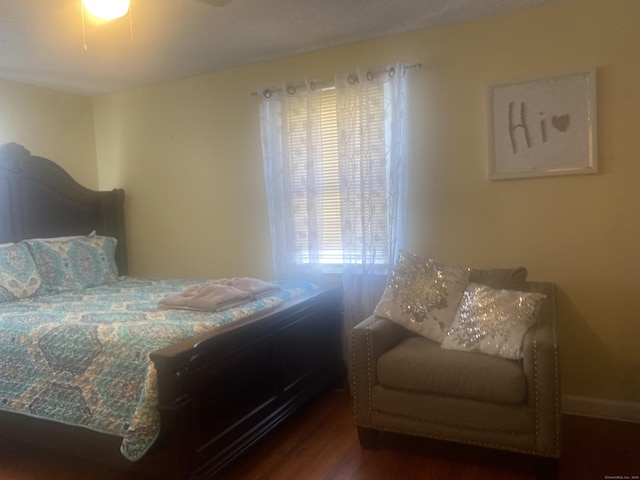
493 321
423 295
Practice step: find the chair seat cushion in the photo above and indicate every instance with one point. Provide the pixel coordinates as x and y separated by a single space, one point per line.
421 365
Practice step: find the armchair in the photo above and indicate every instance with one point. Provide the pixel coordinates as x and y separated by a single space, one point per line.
408 384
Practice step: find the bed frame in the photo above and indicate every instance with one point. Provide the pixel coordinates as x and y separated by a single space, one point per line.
220 392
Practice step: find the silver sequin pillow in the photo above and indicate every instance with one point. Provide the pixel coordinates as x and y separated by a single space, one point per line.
423 295
493 321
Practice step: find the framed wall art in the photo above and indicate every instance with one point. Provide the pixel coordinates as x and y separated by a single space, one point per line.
543 126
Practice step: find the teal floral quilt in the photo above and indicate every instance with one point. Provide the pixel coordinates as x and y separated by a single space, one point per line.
82 358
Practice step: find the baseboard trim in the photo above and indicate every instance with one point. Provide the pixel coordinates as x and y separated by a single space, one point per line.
601 408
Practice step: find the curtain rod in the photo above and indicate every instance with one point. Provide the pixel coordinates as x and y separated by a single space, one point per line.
267 92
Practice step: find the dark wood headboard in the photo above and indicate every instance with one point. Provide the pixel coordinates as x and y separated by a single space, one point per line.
39 199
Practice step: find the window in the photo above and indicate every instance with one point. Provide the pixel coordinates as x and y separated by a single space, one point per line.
315 179
332 159
316 218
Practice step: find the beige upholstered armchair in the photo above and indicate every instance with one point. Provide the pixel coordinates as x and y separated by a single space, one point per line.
405 383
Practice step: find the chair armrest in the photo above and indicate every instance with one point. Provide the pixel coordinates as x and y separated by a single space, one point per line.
370 339
540 361
380 332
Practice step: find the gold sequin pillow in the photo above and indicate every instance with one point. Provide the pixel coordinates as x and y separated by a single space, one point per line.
493 321
423 295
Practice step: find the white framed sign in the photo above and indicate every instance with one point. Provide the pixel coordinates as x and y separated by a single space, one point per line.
543 126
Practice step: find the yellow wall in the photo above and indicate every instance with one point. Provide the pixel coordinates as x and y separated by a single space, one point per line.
188 155
52 124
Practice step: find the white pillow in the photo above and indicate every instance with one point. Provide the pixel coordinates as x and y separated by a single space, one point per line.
493 321
423 295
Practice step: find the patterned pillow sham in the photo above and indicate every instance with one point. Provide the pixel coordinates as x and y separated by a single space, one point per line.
19 277
423 295
493 321
74 263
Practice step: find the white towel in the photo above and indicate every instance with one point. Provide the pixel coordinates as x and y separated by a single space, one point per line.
210 297
256 287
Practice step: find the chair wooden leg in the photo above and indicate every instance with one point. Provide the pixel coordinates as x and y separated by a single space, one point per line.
368 437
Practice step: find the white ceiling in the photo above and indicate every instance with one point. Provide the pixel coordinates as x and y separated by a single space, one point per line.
41 41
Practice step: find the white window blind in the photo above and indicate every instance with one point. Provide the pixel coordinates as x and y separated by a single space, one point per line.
315 178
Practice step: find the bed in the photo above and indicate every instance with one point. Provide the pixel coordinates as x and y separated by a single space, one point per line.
218 382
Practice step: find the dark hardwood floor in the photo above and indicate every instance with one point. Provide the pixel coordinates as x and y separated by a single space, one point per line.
321 443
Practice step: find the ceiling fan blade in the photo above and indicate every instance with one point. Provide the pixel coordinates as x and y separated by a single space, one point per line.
217 3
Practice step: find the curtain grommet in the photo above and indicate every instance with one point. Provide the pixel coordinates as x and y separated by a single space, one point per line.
267 93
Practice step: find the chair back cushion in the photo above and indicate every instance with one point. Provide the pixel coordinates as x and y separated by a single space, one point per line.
504 278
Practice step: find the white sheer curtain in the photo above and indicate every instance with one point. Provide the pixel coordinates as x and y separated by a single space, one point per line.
371 147
335 173
290 119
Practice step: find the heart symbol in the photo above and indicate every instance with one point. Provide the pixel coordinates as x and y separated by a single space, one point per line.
560 122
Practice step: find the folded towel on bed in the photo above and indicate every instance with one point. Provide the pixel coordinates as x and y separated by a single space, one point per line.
220 294
256 287
211 297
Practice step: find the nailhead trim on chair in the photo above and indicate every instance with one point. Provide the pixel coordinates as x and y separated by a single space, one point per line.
556 369
556 383
369 375
454 425
498 446
535 384
558 408
355 373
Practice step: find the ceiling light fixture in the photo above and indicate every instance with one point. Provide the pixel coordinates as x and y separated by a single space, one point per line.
107 9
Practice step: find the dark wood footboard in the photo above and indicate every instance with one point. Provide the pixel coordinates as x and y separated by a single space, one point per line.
224 391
